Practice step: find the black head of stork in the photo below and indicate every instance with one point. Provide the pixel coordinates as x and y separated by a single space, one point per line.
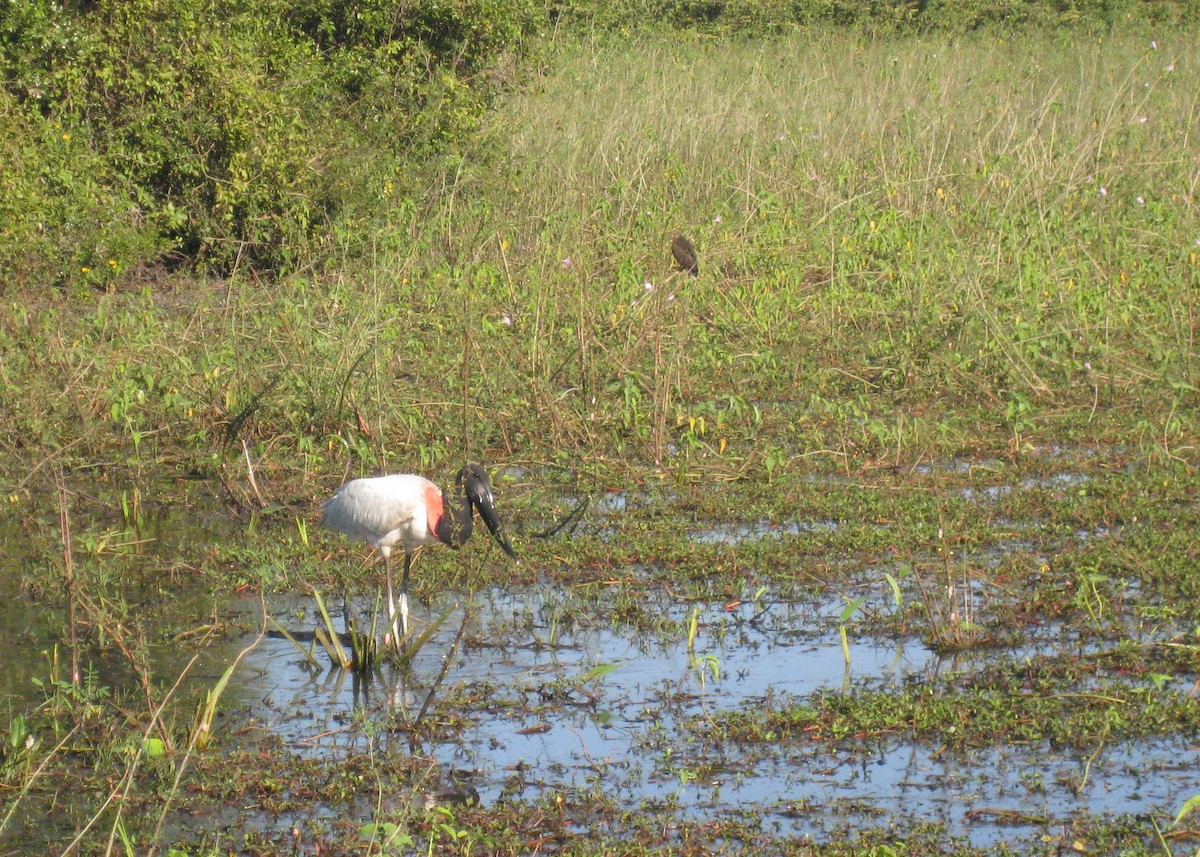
454 529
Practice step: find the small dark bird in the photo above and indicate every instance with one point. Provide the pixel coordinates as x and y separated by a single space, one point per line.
412 512
685 255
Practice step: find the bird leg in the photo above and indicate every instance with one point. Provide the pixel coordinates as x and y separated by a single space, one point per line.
394 636
399 630
404 593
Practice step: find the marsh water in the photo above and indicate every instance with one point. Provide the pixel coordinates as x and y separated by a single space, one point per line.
538 691
538 725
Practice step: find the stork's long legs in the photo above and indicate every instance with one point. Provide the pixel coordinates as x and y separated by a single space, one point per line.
394 631
408 558
402 626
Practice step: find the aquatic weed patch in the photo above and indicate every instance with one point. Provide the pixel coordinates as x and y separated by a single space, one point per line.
1060 702
597 702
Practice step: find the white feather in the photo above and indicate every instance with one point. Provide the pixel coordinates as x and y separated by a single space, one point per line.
384 511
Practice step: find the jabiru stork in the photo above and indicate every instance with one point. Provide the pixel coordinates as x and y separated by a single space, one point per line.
410 511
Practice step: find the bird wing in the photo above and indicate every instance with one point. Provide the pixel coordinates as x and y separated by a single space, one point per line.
384 510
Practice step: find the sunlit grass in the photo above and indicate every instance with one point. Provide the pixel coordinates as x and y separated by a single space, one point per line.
908 247
1012 220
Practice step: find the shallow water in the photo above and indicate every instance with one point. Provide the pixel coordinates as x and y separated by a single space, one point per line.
640 740
551 696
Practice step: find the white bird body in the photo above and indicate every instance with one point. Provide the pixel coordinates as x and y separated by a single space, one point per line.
385 511
410 511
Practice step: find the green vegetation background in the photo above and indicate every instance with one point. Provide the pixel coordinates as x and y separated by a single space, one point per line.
320 226
274 243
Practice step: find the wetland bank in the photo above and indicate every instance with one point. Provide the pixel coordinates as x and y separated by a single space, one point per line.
878 536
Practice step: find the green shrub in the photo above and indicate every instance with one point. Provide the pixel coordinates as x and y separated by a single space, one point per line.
868 15
237 132
65 215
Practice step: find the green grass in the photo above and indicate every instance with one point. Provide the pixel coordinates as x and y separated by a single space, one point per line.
909 247
914 251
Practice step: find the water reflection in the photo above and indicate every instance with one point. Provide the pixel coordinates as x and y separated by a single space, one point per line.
538 724
544 693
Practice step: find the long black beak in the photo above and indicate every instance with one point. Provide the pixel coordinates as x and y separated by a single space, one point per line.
479 492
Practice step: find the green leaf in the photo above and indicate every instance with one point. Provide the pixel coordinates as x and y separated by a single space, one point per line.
598 671
895 584
383 830
1189 805
851 608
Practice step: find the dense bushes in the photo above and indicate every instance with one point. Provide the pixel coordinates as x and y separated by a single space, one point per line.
873 15
222 131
